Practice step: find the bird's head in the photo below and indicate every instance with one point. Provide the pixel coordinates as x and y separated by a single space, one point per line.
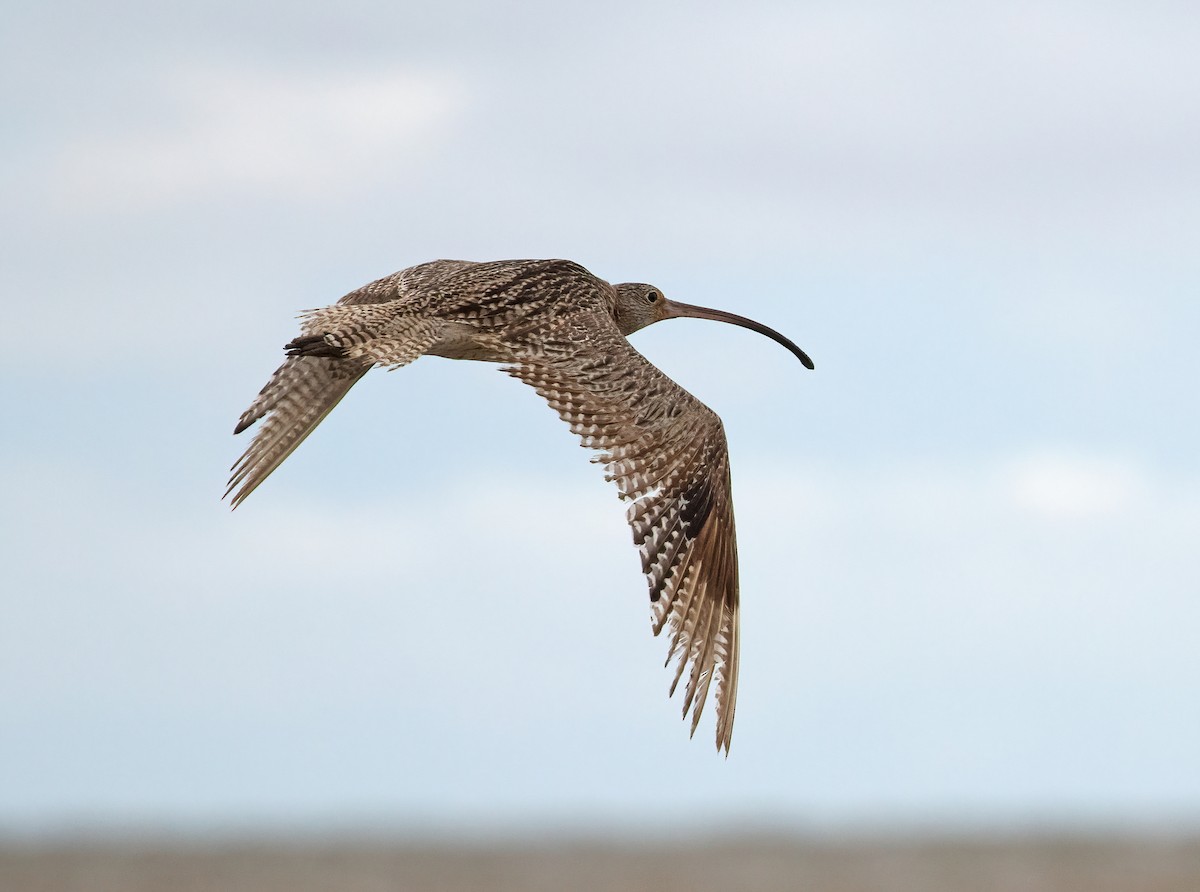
639 305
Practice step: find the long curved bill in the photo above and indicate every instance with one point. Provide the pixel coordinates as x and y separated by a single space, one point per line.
675 310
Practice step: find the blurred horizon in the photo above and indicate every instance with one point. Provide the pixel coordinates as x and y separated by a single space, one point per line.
553 832
1032 864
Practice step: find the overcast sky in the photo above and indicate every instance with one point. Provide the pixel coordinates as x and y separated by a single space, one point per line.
970 572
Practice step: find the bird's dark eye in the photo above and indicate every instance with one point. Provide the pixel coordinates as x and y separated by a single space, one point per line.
652 296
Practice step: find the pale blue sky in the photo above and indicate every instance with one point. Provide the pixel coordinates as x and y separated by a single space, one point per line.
968 539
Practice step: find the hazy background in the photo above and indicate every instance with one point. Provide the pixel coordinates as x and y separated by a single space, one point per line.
968 540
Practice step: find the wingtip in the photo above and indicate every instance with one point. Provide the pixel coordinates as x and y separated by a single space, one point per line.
239 496
724 737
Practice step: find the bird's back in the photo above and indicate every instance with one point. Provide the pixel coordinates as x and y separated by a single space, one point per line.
501 295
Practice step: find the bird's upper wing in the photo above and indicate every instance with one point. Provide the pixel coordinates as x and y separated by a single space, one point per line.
666 452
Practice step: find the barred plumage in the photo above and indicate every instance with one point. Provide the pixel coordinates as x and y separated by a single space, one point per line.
563 331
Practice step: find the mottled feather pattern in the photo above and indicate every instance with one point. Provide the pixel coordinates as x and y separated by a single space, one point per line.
558 328
387 334
666 451
297 398
305 389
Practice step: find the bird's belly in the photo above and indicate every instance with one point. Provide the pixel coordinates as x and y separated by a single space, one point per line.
460 341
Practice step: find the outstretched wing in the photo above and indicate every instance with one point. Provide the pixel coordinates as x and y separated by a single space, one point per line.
297 398
305 389
666 452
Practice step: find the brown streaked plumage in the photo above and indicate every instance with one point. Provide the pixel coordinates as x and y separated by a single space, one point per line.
563 331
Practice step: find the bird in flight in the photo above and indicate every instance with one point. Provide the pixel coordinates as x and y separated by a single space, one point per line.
562 331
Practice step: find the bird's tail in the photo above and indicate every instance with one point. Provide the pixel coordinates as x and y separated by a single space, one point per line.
297 398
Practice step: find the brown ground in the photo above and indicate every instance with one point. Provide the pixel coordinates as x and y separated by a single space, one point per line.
1007 865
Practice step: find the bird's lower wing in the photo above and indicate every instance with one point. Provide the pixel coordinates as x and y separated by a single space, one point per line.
297 398
338 346
667 454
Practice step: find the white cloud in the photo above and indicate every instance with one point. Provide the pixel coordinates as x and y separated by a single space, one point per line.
261 131
1054 492
1019 545
1062 486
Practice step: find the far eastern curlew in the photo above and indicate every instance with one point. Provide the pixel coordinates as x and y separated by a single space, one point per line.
561 330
